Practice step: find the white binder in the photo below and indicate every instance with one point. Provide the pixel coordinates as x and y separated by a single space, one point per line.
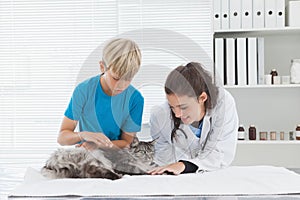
217 14
280 13
270 13
235 14
225 14
293 13
258 13
247 14
260 60
219 60
252 61
241 61
230 61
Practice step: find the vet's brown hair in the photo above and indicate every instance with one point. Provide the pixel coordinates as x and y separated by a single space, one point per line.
191 80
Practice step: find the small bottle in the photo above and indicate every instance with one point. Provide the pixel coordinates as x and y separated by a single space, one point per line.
252 132
295 64
281 135
263 135
297 132
291 135
273 135
241 133
273 73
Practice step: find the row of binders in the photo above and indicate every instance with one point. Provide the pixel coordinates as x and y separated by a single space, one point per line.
239 61
248 14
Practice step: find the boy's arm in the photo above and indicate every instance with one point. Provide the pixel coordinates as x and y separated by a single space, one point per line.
125 141
67 136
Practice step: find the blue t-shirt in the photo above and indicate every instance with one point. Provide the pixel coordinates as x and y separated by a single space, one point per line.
197 131
99 112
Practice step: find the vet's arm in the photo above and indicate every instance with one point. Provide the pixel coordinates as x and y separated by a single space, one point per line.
67 136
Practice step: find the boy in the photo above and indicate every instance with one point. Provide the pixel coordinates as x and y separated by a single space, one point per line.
108 109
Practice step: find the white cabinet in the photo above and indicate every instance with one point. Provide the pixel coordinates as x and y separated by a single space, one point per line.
276 153
269 107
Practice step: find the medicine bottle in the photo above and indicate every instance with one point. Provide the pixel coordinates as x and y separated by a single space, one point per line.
291 135
252 132
273 73
295 69
281 135
241 133
263 135
298 132
273 135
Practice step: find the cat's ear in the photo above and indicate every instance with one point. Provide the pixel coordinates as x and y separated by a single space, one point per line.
134 142
153 141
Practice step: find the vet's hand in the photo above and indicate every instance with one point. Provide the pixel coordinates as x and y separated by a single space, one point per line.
174 168
97 138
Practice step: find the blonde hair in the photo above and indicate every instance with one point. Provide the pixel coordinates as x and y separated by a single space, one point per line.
123 57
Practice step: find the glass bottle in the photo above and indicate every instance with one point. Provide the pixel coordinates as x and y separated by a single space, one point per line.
295 71
297 134
291 135
273 135
241 133
273 73
263 135
281 135
252 132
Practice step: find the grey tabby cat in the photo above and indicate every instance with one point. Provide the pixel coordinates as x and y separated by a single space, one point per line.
109 163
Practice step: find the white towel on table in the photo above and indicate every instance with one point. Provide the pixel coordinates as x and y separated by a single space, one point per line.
246 180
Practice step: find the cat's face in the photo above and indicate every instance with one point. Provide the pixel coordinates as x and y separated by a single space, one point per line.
143 150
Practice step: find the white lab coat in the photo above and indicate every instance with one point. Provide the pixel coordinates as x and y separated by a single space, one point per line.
219 150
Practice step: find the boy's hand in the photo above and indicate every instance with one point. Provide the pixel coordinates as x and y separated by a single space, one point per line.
87 145
99 139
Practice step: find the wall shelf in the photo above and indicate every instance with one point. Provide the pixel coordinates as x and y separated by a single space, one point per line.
261 86
264 142
268 107
257 32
